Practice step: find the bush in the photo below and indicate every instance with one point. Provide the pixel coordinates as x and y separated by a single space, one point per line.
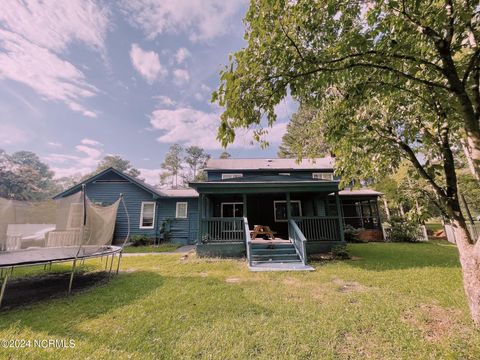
141 240
402 230
340 252
352 234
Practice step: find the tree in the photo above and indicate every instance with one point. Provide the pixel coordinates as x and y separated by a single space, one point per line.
172 164
298 132
23 176
118 163
393 81
225 155
196 159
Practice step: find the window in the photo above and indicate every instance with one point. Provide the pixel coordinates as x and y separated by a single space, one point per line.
181 210
280 209
232 209
147 215
322 176
231 176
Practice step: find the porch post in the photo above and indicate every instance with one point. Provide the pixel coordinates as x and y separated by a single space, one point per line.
200 218
340 217
289 210
244 196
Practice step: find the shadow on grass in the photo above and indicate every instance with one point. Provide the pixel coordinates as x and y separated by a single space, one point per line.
393 256
138 303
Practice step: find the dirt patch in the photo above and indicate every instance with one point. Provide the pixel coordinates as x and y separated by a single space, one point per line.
232 280
435 322
30 290
349 286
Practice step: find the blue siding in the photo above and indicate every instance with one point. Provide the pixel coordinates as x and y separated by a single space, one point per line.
213 175
107 188
133 196
184 231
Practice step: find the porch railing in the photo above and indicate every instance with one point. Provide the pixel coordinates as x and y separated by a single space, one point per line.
248 241
298 239
217 229
319 228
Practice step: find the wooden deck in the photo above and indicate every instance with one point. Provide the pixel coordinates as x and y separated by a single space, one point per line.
274 241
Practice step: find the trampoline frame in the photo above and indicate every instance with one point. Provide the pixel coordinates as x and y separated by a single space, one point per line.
112 251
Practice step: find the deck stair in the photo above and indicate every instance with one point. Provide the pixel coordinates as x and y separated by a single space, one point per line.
276 256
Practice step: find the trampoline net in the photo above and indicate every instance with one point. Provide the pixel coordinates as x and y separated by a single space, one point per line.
73 226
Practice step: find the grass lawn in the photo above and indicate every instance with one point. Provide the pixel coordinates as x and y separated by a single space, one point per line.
395 301
165 247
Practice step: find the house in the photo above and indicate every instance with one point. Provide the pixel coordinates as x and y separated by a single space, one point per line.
170 215
298 204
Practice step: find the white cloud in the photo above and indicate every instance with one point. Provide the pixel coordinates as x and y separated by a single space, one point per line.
151 176
165 100
147 63
181 76
194 127
33 36
200 19
182 54
85 159
91 142
10 134
54 144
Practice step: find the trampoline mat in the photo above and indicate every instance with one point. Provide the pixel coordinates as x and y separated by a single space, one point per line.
51 254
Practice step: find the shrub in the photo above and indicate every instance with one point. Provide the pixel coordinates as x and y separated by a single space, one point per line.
141 240
340 252
402 230
352 234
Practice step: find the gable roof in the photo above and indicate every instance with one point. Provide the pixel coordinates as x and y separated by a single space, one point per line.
325 163
141 184
187 192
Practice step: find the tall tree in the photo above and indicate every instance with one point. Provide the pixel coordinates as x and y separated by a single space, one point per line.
393 80
118 163
23 176
225 155
172 164
299 131
196 159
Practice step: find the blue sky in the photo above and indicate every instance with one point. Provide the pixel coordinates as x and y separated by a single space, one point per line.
81 79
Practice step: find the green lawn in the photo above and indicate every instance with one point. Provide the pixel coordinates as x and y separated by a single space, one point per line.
393 301
165 247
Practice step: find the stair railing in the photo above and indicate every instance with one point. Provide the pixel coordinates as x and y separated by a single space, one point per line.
248 241
298 240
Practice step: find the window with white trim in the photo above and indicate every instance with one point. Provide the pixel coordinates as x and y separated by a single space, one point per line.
231 176
280 209
181 210
322 176
147 215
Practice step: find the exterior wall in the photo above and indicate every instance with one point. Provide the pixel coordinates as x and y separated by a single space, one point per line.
108 192
182 231
214 175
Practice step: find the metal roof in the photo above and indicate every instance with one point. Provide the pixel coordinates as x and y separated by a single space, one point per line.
187 192
275 164
359 192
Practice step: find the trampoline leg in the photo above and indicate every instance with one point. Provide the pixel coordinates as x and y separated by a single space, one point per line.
11 271
4 285
50 268
106 264
118 265
71 276
111 265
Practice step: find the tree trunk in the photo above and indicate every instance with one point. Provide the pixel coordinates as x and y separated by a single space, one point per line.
470 262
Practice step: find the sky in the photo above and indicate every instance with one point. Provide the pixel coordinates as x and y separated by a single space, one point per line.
81 79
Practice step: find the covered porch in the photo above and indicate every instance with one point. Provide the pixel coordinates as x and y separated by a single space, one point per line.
304 213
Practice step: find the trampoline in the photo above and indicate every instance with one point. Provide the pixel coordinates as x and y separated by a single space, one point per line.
71 229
